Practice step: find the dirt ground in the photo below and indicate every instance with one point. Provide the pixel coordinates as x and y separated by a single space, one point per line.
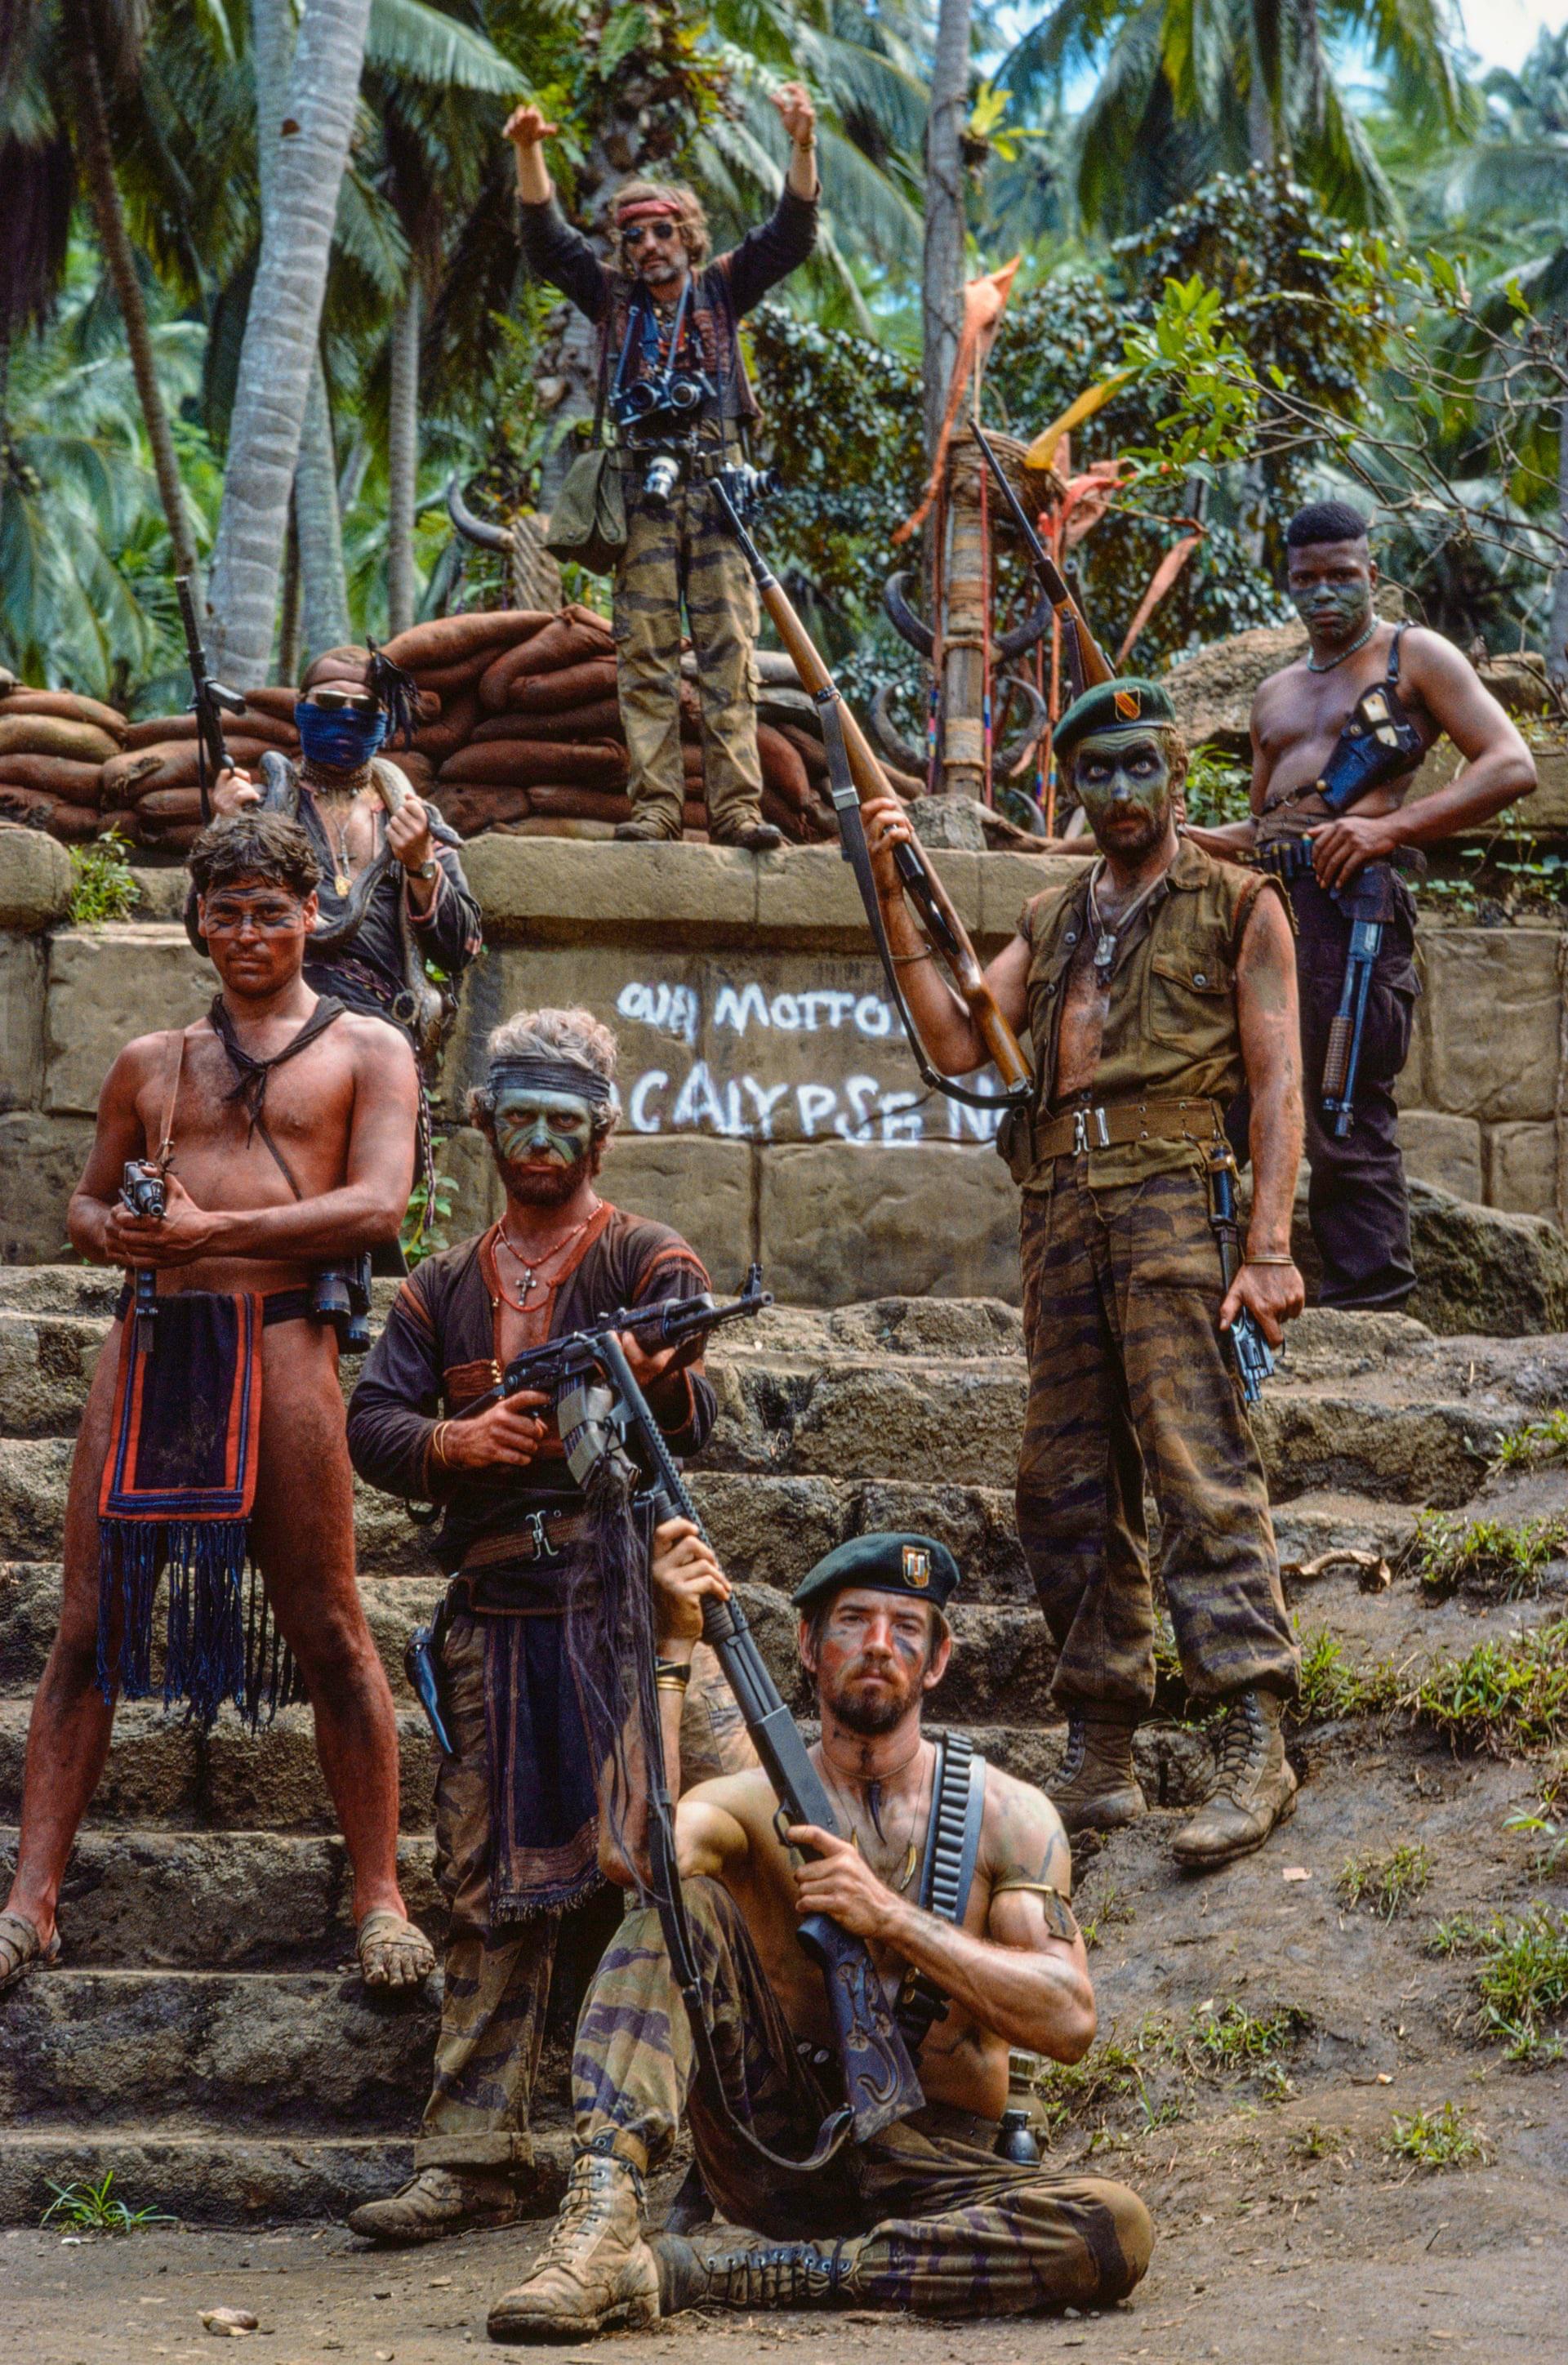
1287 2231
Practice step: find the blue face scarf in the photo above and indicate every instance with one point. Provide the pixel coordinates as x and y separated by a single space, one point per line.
342 739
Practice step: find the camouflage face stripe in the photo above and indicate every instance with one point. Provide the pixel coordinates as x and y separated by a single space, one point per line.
1127 1373
685 551
943 2227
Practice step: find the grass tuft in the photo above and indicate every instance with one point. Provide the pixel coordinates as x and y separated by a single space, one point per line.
1539 1442
1436 2139
1521 1979
103 885
1496 1557
95 2209
1386 1883
1331 1685
1502 1695
1548 1820
1228 2036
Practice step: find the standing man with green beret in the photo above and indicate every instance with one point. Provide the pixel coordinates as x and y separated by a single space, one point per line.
1153 989
925 2215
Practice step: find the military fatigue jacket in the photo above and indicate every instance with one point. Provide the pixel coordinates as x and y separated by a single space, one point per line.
1171 1031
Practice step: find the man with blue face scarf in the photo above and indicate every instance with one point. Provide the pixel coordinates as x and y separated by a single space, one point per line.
516 1811
393 896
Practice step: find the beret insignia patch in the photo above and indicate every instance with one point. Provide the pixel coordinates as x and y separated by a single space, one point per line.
916 1566
1129 706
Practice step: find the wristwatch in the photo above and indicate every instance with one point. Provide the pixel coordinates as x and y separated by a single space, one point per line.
427 870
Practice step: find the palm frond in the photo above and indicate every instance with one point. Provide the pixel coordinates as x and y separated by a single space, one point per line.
407 37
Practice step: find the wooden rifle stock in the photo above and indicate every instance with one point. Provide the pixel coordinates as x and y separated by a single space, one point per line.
948 934
1087 662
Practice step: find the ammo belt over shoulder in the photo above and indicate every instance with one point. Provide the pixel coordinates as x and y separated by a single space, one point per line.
952 1851
1112 1125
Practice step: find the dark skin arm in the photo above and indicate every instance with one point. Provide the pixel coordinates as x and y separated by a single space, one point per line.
1498 766
1269 1026
366 1210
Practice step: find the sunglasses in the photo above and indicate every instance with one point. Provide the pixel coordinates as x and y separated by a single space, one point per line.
342 701
659 230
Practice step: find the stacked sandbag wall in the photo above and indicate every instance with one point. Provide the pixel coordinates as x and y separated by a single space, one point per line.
54 747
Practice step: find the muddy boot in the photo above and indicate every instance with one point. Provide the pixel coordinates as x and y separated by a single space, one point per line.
757 837
1095 1788
598 2272
749 2271
1254 1787
439 2201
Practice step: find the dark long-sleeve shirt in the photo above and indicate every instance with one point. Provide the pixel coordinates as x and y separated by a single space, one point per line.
441 1348
724 289
369 973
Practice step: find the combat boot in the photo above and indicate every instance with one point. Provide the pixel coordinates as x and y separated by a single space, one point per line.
438 2201
639 831
598 2272
1254 1787
750 2271
757 837
1096 1788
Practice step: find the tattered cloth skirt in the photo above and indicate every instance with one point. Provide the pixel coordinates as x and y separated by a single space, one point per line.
178 1488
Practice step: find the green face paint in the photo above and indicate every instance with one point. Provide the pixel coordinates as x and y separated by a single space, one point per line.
1118 773
532 1126
1330 588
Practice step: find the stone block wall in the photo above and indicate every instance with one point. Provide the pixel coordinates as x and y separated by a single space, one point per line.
769 1105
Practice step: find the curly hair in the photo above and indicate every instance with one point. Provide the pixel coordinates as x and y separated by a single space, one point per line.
250 846
572 1035
693 221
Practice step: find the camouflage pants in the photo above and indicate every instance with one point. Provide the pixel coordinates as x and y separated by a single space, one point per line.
685 552
1128 1377
927 2216
497 1976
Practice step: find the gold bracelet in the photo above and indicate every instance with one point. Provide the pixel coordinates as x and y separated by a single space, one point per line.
669 1683
437 1452
1278 1260
925 953
674 1674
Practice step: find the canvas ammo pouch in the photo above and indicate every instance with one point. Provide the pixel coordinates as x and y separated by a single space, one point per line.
587 524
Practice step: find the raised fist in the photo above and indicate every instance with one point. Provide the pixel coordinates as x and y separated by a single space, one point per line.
526 126
796 112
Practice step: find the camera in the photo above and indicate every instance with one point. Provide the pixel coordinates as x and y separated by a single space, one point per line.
142 1188
748 488
664 474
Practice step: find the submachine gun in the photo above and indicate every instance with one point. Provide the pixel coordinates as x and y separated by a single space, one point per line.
604 1417
209 701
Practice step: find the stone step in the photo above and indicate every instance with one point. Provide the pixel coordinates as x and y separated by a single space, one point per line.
212 2178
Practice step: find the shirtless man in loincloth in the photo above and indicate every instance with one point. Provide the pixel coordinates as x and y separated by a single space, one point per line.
280 1152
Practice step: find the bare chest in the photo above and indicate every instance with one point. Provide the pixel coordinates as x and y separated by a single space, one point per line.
221 1154
352 829
1299 724
1086 1005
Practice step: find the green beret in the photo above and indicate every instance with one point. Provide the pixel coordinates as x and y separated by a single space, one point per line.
917 1566
1113 706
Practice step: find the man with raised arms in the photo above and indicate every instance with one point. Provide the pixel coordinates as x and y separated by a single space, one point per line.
1152 988
283 1129
1421 687
925 2215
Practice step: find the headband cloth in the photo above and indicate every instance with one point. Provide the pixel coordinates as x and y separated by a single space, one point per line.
649 209
551 1076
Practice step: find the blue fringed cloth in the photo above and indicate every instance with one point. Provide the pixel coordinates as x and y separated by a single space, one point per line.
178 1487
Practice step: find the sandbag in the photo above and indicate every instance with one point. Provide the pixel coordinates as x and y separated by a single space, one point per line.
53 776
168 804
276 699
600 764
172 837
812 751
450 681
573 637
601 720
118 777
783 769
51 734
552 693
468 811
580 803
453 729
447 641
416 767
265 730
68 706
587 833
781 815
120 824
178 766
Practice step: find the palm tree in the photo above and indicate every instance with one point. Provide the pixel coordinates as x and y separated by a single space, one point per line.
1190 87
279 350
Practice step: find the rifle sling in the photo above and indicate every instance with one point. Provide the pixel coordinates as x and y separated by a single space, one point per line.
858 854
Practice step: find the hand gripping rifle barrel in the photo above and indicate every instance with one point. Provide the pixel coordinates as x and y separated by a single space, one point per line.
858 778
209 701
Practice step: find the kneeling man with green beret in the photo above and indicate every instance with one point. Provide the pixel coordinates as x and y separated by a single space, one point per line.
1153 988
957 1876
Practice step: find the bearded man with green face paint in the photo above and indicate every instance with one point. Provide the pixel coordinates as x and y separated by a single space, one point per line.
1340 859
517 1832
1153 989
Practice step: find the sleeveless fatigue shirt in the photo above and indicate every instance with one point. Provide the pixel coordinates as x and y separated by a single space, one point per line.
1171 1031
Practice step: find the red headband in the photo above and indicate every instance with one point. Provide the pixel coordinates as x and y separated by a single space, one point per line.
649 209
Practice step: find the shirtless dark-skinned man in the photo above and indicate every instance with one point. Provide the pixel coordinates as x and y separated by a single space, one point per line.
214 1432
925 2215
1358 1205
1152 988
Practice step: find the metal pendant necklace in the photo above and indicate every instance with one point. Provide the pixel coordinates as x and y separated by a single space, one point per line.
1313 665
531 1273
1106 938
911 1855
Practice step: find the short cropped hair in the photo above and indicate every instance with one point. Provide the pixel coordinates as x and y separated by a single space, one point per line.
691 219
576 1036
1326 522
247 846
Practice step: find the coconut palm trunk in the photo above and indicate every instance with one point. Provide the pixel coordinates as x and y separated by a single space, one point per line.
403 460
279 350
96 158
942 299
323 583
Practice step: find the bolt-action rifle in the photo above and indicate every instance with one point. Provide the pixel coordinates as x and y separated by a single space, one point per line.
857 778
209 701
1086 665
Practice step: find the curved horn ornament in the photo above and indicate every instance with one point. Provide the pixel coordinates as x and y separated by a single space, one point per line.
902 616
472 528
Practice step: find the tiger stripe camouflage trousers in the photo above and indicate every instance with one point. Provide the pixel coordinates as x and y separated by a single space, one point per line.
928 2217
1129 1378
685 552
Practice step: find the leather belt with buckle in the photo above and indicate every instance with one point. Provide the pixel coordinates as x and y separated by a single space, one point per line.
1079 1130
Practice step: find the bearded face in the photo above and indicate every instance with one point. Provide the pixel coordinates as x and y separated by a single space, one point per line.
544 1145
874 1655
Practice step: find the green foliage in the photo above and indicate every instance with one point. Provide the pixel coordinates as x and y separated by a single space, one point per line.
103 885
1536 1444
1441 2138
420 1238
1218 788
1548 1822
1331 1686
1387 1883
1497 1557
1226 2036
95 2209
1521 1979
1502 1695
